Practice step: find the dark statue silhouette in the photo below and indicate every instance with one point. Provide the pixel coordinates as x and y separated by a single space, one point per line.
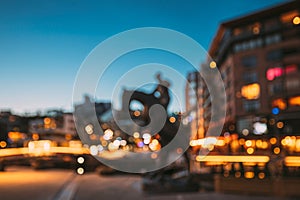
160 96
161 180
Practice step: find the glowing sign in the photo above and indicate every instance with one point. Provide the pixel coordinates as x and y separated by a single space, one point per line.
259 128
279 103
295 101
272 73
275 111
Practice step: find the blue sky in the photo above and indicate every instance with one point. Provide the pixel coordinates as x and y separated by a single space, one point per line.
43 43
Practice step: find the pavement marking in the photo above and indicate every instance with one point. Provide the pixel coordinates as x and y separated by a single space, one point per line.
68 191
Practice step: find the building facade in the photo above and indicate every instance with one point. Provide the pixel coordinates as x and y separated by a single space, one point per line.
194 104
258 56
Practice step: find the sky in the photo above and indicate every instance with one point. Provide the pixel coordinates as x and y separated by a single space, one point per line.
44 43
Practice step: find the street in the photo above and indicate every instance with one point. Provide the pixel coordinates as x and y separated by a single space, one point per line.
57 184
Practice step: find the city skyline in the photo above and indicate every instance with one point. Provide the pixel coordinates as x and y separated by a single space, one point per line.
44 44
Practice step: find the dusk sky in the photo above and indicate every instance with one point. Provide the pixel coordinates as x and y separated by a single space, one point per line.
43 43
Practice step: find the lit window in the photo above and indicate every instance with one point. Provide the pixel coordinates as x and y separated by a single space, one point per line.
290 17
294 101
293 83
251 91
275 88
251 106
291 69
272 73
237 31
279 103
256 28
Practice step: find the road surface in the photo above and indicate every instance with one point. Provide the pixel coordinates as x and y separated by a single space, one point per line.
56 184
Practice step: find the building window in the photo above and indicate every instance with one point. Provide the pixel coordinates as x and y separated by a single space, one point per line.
249 44
292 83
272 24
251 106
275 88
249 61
250 77
291 51
272 39
238 47
274 55
290 69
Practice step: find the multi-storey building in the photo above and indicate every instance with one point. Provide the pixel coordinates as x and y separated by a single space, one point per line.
194 104
258 56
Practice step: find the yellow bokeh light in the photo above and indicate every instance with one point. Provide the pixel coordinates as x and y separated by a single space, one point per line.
296 20
80 171
249 175
3 144
104 143
272 121
250 150
256 30
137 113
242 141
276 150
237 174
179 150
80 160
47 120
251 91
248 143
172 120
153 155
212 64
136 135
279 103
226 173
261 175
155 142
283 142
280 124
259 143
265 145
273 140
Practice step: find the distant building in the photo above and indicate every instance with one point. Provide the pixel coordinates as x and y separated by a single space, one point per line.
194 104
89 107
88 116
55 125
258 56
13 129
